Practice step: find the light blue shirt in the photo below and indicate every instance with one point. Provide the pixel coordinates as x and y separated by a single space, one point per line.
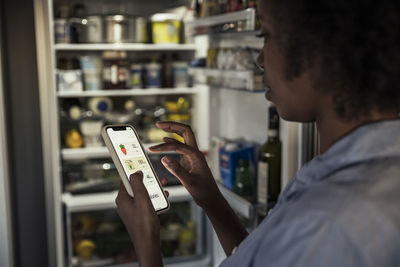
341 209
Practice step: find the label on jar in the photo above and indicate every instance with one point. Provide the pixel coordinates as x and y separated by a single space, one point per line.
262 183
114 74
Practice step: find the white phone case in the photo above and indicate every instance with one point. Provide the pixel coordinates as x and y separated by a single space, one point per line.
120 168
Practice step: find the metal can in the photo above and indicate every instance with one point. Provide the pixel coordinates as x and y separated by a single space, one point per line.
94 29
119 29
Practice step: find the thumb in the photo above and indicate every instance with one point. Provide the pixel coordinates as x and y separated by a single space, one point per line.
138 188
176 169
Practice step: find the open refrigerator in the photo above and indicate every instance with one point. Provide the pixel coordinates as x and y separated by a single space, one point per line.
81 181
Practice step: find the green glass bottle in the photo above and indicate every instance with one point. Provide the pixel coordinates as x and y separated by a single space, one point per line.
269 166
243 180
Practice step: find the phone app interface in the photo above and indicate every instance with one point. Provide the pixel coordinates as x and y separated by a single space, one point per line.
133 159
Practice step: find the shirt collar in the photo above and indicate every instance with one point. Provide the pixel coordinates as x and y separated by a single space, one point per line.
368 142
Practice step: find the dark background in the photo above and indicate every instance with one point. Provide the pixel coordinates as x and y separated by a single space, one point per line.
24 133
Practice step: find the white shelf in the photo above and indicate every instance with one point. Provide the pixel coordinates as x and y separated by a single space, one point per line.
128 92
238 204
248 16
100 201
91 152
84 153
233 79
125 47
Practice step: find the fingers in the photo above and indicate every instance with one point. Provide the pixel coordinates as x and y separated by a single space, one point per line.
176 169
122 194
136 181
163 181
173 146
166 193
169 140
181 129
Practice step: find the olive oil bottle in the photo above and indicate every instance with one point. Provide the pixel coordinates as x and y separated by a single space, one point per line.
269 166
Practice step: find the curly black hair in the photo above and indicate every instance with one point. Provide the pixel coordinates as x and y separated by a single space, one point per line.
356 45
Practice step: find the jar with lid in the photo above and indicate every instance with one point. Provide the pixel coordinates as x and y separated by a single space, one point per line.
115 72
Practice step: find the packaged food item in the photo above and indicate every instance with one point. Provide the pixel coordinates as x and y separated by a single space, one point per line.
177 106
73 139
78 23
91 68
141 34
85 249
166 28
135 77
91 131
229 161
153 75
69 80
120 29
100 105
213 156
129 105
180 74
94 29
115 72
62 31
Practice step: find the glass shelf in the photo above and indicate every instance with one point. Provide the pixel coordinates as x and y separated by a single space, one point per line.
128 92
125 47
244 80
247 17
238 204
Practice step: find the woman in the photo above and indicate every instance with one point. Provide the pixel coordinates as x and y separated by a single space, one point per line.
335 63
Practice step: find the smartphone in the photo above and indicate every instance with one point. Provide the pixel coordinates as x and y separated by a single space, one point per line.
129 157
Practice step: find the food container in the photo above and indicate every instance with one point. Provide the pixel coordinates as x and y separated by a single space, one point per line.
153 75
135 77
91 131
91 68
115 71
166 28
69 80
120 29
62 31
77 28
140 34
94 29
180 74
100 105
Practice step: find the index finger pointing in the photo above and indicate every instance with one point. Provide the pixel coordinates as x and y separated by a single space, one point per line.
181 129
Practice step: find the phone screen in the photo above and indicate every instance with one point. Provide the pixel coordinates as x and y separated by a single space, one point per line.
132 158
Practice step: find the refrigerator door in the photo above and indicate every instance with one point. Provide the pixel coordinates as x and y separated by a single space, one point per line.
6 246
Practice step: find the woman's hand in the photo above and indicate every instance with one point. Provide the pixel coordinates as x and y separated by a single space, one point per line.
141 221
193 171
195 175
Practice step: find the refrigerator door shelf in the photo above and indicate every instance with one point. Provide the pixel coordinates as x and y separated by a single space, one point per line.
100 201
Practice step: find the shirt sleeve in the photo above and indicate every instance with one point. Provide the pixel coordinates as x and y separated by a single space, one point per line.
309 241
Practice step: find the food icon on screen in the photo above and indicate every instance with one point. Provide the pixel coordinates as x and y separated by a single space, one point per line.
123 149
129 164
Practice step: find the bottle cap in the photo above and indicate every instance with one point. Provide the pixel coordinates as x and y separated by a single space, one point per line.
273 118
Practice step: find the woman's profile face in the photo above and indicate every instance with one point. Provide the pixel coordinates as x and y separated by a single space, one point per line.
295 99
